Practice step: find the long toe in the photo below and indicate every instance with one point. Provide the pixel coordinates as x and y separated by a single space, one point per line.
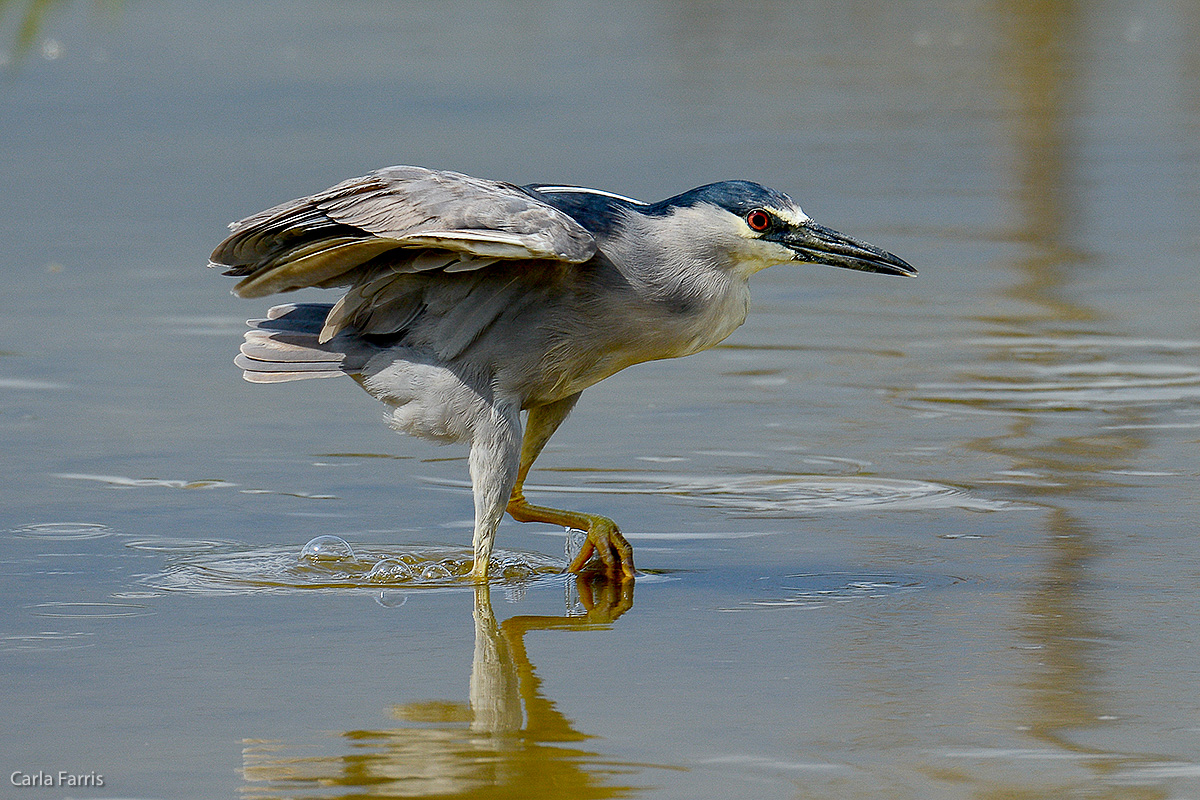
605 541
604 598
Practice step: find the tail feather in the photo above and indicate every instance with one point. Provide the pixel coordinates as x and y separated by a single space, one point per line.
285 346
299 313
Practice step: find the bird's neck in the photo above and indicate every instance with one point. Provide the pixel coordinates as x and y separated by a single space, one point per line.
697 302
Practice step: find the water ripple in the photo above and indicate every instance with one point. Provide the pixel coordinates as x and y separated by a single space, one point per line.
171 544
1075 373
83 610
122 482
323 565
46 641
787 495
780 495
125 482
816 589
63 530
29 385
1158 771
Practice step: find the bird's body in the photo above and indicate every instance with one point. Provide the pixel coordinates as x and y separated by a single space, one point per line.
470 301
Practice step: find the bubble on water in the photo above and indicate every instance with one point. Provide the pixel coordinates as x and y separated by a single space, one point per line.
328 563
514 567
327 548
460 567
390 570
436 572
514 571
52 49
391 599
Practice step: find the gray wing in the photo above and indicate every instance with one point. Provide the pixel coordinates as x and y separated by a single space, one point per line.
435 220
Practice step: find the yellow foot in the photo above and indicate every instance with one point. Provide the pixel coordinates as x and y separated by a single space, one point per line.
605 542
604 598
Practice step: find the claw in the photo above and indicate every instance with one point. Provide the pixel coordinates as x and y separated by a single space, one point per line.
604 599
605 541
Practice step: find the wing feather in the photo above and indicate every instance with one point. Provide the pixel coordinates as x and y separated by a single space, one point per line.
312 264
334 238
380 306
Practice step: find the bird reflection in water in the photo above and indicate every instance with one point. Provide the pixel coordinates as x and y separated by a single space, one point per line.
509 741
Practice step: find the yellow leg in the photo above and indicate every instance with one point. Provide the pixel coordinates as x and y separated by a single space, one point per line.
604 539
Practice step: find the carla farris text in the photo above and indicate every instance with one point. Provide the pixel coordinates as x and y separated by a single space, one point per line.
60 778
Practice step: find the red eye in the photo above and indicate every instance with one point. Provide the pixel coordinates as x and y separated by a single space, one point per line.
758 220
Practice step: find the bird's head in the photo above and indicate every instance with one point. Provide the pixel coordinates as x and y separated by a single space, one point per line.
756 227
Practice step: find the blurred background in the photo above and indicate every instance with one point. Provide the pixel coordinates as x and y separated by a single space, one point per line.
902 538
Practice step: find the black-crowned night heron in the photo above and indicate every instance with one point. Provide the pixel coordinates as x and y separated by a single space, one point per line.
471 301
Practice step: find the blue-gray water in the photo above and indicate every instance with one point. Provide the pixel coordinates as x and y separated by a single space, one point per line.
930 538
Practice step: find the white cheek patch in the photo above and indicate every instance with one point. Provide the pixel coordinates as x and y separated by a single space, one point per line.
779 254
757 254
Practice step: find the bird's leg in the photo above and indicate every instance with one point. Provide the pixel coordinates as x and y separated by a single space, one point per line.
493 463
603 537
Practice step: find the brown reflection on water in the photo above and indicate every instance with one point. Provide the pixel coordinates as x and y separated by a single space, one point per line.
1070 451
28 17
1041 70
508 741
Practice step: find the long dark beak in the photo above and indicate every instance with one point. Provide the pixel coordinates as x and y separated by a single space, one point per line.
816 244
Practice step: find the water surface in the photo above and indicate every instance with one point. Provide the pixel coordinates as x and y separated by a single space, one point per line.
900 538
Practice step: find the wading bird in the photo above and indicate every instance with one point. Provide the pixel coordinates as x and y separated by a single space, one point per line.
470 301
